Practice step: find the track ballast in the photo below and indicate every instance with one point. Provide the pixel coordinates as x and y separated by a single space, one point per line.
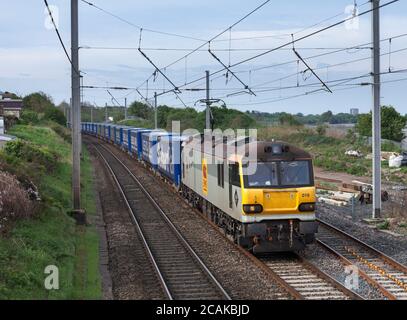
181 272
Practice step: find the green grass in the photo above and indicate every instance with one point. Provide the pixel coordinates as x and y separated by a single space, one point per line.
87 277
52 238
329 152
384 225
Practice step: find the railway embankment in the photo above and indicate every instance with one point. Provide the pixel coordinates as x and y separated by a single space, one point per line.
36 229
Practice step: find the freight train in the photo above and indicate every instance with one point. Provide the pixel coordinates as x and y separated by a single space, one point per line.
269 209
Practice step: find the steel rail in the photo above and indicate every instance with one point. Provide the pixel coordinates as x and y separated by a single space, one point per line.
376 253
312 283
290 289
138 227
184 242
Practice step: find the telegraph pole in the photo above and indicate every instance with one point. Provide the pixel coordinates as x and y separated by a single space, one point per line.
106 112
91 113
78 214
155 110
125 108
208 103
376 126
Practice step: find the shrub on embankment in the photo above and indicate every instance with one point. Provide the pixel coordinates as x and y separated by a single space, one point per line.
48 236
15 202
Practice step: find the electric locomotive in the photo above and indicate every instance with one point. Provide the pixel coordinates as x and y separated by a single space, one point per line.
270 209
261 193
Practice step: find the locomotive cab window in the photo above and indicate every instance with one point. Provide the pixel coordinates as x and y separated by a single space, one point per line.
266 175
234 177
221 174
295 173
279 174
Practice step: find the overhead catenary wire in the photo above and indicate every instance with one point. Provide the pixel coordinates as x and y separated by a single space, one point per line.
246 87
187 83
282 35
137 26
215 37
291 42
330 66
113 98
311 34
259 87
86 47
358 46
59 37
274 49
313 72
343 81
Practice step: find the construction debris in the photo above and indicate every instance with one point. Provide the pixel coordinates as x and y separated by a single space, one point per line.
395 161
354 153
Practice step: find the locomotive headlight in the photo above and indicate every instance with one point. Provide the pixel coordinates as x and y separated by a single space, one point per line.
252 208
306 207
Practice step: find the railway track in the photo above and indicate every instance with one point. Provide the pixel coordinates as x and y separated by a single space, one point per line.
378 269
180 271
300 278
307 280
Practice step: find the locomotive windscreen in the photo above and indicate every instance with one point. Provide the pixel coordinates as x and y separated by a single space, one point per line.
279 174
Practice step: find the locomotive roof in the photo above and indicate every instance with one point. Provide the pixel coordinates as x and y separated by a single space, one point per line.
266 150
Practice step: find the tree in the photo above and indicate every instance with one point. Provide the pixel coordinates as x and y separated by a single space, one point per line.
188 118
162 115
38 102
56 115
392 124
140 110
326 117
288 119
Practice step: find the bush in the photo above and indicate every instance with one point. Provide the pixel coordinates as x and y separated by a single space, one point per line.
62 131
321 129
26 151
351 136
390 147
14 201
56 115
29 117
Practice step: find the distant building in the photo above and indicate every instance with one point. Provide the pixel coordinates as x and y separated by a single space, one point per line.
1 125
9 106
4 138
354 111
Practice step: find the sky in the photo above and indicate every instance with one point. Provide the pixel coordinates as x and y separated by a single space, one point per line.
32 59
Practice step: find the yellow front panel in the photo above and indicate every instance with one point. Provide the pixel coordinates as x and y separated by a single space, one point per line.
279 200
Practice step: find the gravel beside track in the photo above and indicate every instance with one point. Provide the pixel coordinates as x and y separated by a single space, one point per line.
306 278
183 275
395 247
238 274
388 275
333 266
131 273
